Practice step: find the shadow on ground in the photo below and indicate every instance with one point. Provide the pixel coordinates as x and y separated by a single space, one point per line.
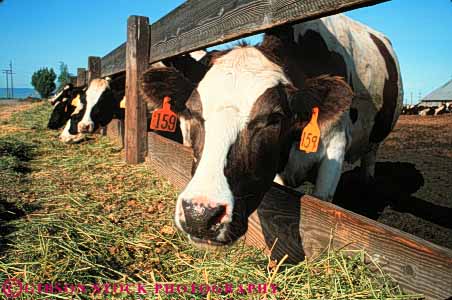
394 186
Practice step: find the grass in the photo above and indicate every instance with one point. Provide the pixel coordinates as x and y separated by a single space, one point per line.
77 214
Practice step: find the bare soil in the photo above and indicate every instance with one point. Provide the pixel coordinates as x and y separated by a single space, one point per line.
413 187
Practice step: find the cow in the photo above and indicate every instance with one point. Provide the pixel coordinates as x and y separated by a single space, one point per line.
70 133
429 111
98 106
442 109
64 104
244 118
103 97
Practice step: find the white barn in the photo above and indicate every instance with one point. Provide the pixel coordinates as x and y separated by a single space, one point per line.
442 95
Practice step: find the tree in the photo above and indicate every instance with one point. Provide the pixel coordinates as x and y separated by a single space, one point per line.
43 81
64 77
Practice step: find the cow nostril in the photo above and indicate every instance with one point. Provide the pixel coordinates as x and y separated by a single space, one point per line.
217 214
203 218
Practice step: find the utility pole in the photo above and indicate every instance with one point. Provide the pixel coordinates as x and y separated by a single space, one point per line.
9 77
11 73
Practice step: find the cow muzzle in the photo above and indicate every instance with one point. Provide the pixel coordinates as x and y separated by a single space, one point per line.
203 219
87 127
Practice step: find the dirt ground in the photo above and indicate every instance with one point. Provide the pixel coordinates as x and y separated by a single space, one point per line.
413 188
9 107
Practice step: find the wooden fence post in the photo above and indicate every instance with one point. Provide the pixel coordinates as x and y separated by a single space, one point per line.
81 76
137 60
73 80
94 69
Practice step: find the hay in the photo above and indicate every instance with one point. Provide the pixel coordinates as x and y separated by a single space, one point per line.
78 214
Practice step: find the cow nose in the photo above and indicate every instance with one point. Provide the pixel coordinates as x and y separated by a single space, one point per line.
84 127
202 218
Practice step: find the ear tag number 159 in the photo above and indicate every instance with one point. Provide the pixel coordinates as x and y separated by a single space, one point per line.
310 137
164 119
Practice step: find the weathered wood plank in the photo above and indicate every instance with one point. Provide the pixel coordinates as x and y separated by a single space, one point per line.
416 264
115 131
199 24
137 56
172 160
114 62
81 76
94 68
297 227
73 80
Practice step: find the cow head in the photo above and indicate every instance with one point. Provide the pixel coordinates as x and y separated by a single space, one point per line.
241 120
64 104
64 93
70 133
103 99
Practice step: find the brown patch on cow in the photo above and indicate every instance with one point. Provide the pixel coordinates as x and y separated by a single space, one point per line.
188 66
331 94
253 158
156 83
385 117
279 47
193 116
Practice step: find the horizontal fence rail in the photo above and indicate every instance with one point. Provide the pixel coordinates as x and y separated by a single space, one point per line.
200 24
114 62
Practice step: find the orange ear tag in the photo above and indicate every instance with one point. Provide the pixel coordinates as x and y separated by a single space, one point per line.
164 119
310 137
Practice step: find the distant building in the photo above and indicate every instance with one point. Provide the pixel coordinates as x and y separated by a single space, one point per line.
442 95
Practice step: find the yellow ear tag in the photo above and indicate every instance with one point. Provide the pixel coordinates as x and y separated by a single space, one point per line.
122 104
310 136
75 101
164 119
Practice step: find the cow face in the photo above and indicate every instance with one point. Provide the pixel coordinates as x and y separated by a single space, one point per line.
70 133
103 99
64 93
241 120
235 120
60 114
64 106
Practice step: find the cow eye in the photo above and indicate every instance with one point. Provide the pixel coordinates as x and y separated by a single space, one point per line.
274 119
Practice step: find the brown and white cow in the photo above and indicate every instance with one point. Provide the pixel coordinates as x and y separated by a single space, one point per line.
244 118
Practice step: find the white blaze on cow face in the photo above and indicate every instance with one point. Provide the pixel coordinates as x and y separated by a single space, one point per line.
96 88
53 99
67 137
198 55
227 92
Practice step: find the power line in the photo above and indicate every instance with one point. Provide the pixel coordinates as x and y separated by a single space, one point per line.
12 84
9 78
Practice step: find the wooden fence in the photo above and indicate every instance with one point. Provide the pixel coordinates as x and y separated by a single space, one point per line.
294 226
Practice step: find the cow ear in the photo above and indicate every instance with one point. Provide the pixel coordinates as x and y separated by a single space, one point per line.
301 103
156 83
188 66
331 94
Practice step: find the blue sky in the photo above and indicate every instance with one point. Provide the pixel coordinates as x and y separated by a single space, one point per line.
35 34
